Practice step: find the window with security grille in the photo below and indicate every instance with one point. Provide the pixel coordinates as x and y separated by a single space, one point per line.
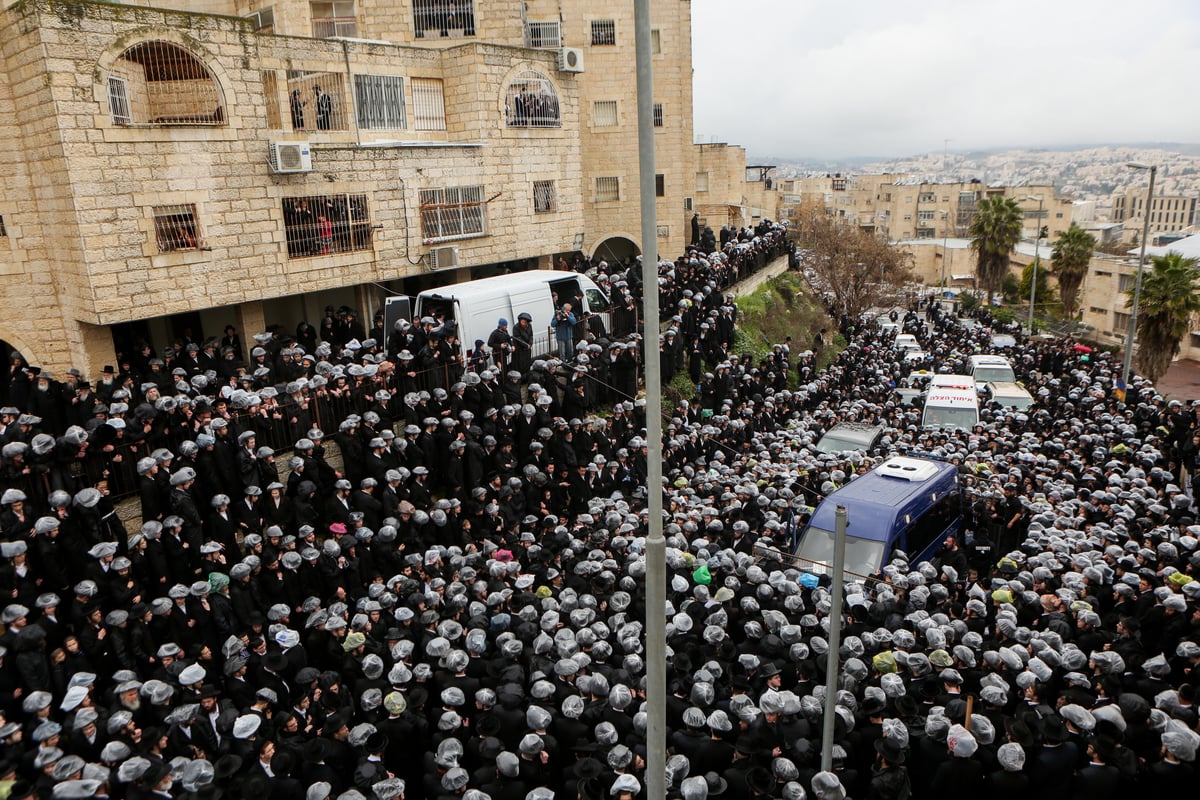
544 34
545 200
317 101
455 212
443 18
333 19
608 190
531 102
318 225
379 102
658 115
604 32
162 83
176 228
429 104
604 113
118 101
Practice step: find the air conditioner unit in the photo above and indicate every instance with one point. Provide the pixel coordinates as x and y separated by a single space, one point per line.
570 59
286 157
443 257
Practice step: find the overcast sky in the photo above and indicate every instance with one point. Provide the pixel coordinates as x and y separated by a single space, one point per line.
837 78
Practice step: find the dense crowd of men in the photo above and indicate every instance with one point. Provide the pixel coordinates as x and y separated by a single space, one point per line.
454 608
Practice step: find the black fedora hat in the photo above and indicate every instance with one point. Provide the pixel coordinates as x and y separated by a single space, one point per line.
890 749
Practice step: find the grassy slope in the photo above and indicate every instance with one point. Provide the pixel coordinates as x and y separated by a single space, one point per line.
780 308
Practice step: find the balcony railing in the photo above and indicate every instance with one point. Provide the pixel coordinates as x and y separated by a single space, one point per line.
328 27
443 18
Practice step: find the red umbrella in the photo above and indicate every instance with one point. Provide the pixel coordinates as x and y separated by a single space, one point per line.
1082 348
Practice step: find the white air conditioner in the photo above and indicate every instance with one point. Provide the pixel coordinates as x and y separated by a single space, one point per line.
570 59
443 257
286 157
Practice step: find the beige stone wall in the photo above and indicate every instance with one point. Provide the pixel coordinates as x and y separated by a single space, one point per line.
724 195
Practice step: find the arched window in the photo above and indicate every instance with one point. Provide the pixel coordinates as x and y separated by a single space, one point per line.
160 83
531 102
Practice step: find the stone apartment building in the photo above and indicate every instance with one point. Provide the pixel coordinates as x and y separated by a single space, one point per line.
901 207
729 191
167 171
1168 213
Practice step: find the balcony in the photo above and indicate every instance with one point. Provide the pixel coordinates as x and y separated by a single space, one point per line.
444 18
330 27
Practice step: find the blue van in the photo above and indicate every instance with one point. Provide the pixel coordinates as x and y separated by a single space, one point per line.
909 504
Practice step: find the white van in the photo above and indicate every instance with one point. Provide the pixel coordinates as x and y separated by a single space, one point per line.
476 307
990 369
951 402
906 341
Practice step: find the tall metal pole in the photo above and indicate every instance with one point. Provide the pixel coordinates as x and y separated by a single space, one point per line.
656 545
832 665
945 251
1137 286
1037 251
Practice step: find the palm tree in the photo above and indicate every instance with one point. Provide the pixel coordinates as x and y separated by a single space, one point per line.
995 232
1170 296
1070 258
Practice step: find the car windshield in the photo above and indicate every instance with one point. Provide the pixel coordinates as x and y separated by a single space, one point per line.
996 374
832 443
863 556
1019 402
944 417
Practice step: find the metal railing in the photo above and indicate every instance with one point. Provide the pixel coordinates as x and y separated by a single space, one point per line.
444 18
329 27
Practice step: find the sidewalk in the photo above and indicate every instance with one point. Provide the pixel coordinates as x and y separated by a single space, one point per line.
1182 381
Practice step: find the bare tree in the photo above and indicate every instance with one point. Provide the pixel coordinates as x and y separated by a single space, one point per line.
859 268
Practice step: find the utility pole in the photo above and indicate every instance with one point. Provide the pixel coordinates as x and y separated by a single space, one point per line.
656 544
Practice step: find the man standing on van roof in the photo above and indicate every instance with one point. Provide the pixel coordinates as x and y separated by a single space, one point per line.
564 332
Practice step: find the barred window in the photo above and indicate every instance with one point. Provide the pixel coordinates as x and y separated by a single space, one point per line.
544 34
658 115
608 189
545 200
531 102
443 18
429 104
604 113
379 102
176 228
317 101
270 82
118 101
334 19
160 83
456 212
604 32
322 224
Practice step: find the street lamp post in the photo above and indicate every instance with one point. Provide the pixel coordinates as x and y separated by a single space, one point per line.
1037 251
945 251
1137 285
